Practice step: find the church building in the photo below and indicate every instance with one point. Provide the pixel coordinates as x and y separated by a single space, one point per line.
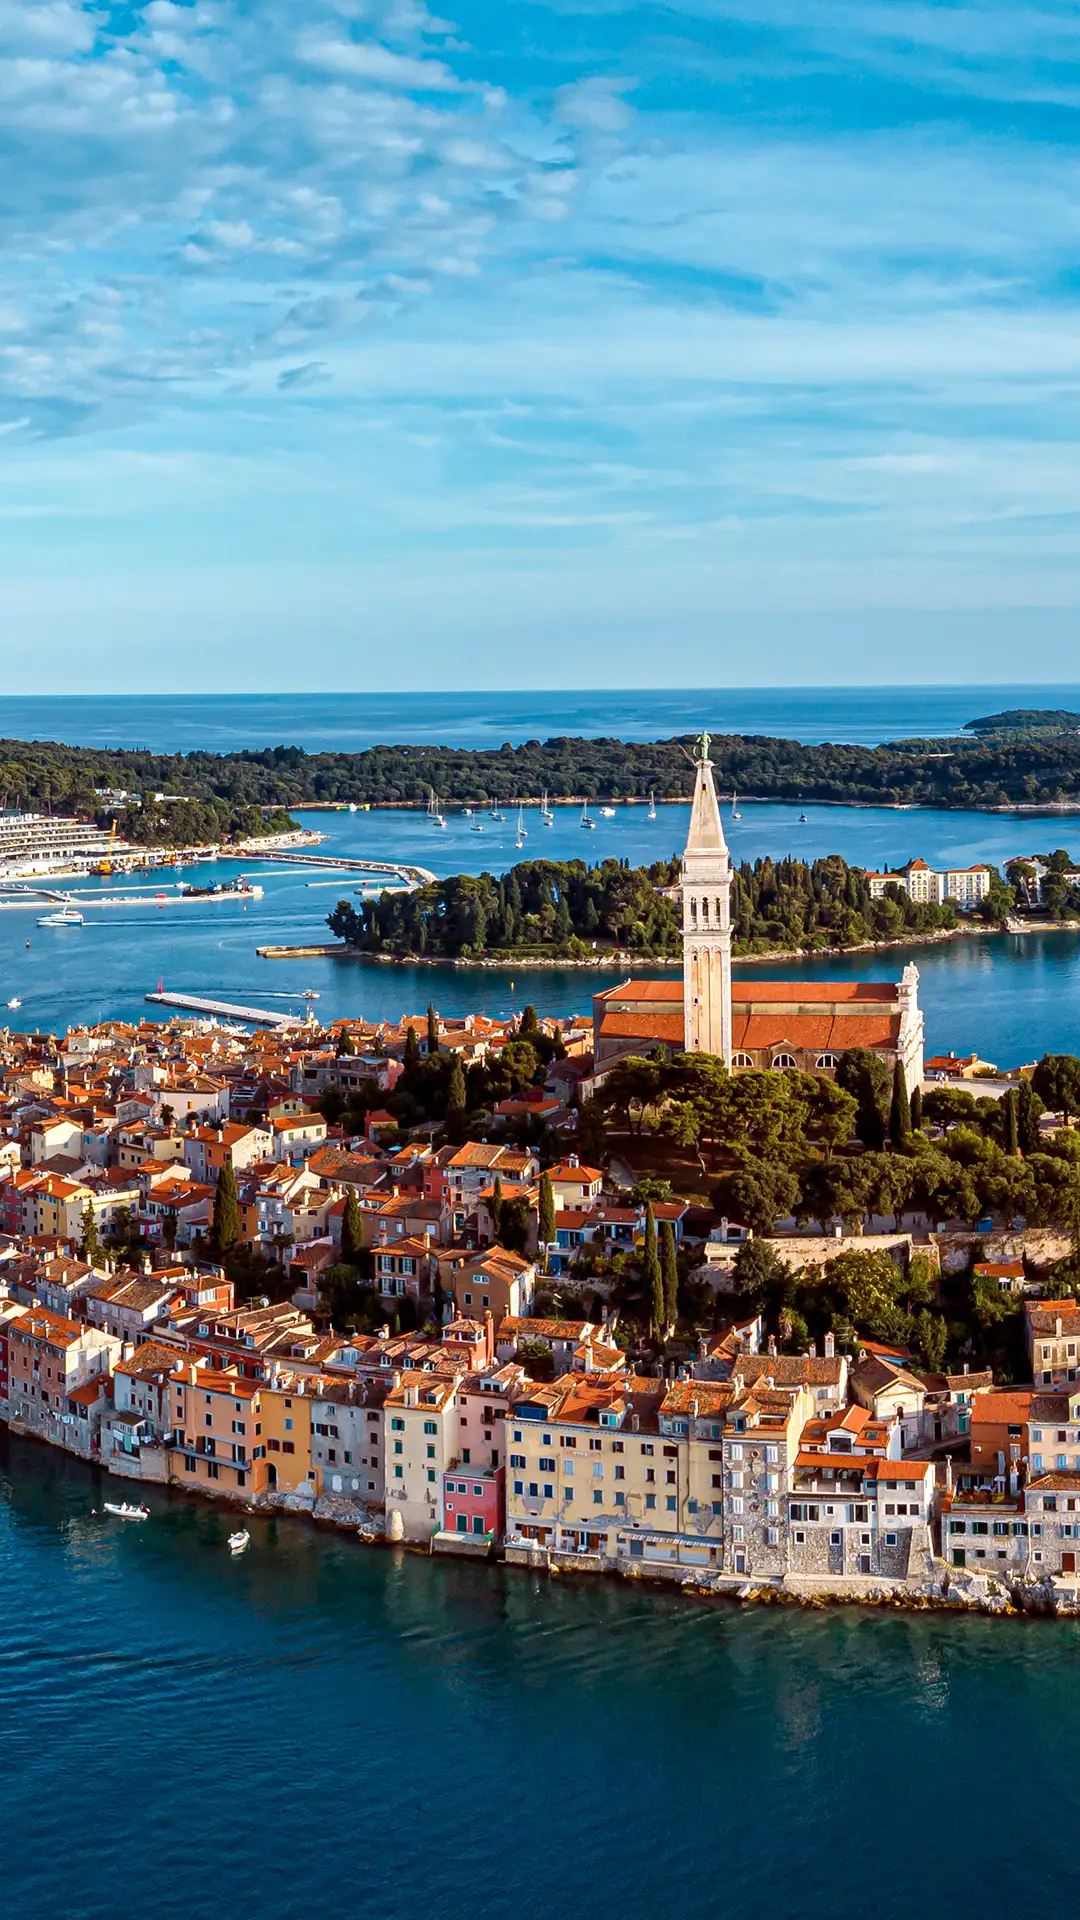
749 1023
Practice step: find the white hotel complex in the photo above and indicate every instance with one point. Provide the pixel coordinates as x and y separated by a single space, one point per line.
964 885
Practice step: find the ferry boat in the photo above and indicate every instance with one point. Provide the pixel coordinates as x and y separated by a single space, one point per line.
65 917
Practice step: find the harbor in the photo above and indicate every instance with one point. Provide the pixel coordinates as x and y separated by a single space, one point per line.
223 1009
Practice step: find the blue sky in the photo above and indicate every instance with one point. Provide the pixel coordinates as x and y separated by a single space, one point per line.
346 344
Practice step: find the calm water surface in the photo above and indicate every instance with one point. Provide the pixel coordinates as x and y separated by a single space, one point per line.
1010 1000
323 1728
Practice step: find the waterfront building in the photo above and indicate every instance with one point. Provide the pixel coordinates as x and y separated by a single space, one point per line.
419 1445
49 1356
473 1503
753 1023
285 1417
38 843
347 1436
137 1427
965 886
215 1421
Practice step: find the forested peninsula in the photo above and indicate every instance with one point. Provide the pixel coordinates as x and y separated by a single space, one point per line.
564 909
1009 766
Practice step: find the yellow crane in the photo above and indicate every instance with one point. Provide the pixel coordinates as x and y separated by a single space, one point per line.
105 866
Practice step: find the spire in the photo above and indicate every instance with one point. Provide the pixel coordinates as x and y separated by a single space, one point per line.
706 834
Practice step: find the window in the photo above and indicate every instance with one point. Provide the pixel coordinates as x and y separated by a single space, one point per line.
717 1508
742 1060
836 1539
549 1492
772 1536
519 1486
650 1501
399 1473
782 1061
546 1466
646 1448
598 1496
671 1503
398 1426
891 1539
825 1060
429 1453
431 1473
430 1426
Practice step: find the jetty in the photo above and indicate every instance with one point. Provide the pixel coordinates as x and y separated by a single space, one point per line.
397 870
224 1010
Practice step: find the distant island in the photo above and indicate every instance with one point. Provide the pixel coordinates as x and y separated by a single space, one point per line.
186 798
564 909
1026 720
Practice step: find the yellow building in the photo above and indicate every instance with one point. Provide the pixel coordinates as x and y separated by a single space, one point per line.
286 1433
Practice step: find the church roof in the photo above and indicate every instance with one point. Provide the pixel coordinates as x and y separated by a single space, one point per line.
801 994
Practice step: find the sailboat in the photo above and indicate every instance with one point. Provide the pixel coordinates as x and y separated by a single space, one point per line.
547 818
522 829
585 821
496 815
652 806
735 814
435 816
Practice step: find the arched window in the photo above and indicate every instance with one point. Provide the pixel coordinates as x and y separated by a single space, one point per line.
781 1061
705 909
693 909
716 909
827 1060
741 1060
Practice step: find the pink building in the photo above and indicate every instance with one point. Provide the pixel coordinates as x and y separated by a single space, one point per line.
473 1501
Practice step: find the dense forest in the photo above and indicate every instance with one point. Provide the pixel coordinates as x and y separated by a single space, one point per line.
1005 767
566 908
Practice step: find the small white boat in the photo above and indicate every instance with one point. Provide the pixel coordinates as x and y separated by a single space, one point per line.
238 1541
66 917
804 820
435 817
607 813
523 831
477 827
124 1511
309 993
14 1002
352 806
496 815
467 811
547 818
585 821
735 814
652 807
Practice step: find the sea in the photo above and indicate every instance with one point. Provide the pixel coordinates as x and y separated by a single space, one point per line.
324 1727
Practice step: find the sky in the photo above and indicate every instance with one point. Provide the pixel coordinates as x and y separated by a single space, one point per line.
344 344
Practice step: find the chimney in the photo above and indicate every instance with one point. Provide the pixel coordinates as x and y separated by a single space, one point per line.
813 1350
967 1369
572 1160
772 1346
948 1473
829 1345
1057 1325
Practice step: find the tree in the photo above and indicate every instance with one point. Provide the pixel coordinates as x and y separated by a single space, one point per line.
546 1211
455 1104
669 1268
346 1045
831 1112
900 1108
631 1088
225 1230
1028 1108
412 1050
496 1208
1056 1080
432 1032
352 1227
653 1277
759 1272
916 1108
528 1025
757 1194
1012 1132
931 1335
90 1247
866 1075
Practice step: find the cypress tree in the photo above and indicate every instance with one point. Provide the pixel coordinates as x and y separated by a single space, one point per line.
899 1109
497 1208
90 1247
654 1279
916 1108
528 1025
352 1227
346 1045
225 1231
432 1032
546 1211
1027 1125
671 1273
412 1049
455 1103
1012 1135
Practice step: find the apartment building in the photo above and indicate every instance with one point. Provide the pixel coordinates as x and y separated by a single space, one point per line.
420 1442
1053 1337
50 1356
347 1436
215 1420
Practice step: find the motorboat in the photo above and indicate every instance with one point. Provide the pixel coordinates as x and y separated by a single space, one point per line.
607 813
585 820
239 1540
65 917
125 1511
309 993
804 820
477 827
14 1002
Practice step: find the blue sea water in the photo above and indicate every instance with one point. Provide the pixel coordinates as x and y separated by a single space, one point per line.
348 722
321 1727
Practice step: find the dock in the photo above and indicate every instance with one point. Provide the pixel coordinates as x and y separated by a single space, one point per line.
223 1010
397 870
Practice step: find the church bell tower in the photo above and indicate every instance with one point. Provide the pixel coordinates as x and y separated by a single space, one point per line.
706 901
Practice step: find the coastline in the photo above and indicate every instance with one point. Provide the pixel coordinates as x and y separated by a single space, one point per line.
942 1589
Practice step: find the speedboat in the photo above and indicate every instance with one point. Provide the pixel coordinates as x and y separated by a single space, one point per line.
124 1511
803 820
607 813
14 1002
66 917
309 993
238 1541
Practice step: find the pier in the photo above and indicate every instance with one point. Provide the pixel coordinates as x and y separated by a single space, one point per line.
224 1010
412 876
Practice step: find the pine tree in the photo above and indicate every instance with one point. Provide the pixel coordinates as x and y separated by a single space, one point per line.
546 1211
346 1045
900 1108
412 1050
669 1266
455 1103
225 1231
916 1108
432 1032
1012 1135
654 1279
352 1227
